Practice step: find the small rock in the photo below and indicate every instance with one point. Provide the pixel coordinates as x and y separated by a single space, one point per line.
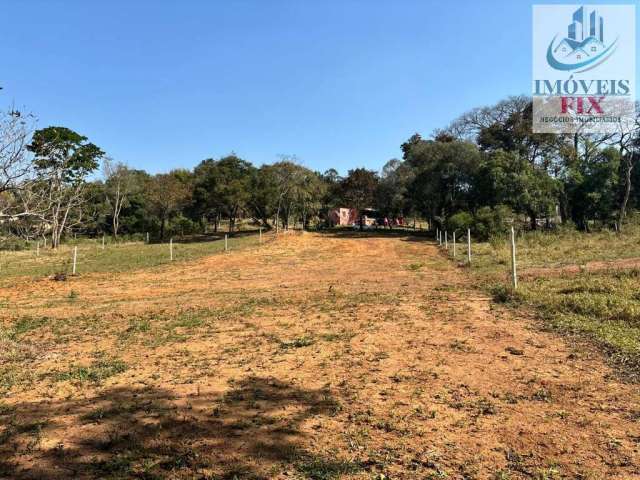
514 351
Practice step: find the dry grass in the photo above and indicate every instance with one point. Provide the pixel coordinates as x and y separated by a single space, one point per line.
311 357
579 283
114 257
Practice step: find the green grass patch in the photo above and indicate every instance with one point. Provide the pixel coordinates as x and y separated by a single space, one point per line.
97 372
326 469
116 257
25 325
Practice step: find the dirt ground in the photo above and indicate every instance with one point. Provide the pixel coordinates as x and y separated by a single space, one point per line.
314 356
622 264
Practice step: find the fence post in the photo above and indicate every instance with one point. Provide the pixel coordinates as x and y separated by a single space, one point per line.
226 245
45 242
103 241
147 238
514 274
171 249
454 244
38 248
469 245
260 234
75 258
446 240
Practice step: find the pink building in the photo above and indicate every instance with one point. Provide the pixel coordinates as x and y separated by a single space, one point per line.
343 216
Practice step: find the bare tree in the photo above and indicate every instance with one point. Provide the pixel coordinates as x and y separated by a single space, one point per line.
16 129
470 123
627 140
119 185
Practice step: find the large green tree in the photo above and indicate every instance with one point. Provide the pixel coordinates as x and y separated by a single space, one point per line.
507 178
63 159
166 195
443 175
358 190
286 190
391 195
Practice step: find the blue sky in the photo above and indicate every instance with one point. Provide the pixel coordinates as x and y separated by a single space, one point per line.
340 83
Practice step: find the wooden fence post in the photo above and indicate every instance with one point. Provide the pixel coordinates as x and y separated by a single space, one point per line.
260 234
38 248
514 274
446 240
75 259
469 245
103 241
171 249
147 238
226 245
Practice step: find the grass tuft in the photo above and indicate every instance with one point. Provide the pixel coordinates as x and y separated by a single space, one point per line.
97 372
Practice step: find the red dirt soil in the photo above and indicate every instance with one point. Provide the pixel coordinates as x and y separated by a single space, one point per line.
314 356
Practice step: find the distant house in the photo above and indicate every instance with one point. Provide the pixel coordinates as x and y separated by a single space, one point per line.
351 216
343 216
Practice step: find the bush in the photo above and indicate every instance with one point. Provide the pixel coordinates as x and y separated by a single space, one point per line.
461 221
181 225
504 294
490 222
13 243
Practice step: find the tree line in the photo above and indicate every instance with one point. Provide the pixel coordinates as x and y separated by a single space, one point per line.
485 171
54 182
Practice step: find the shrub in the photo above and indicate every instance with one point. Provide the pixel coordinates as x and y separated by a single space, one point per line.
489 221
504 294
13 243
181 225
461 221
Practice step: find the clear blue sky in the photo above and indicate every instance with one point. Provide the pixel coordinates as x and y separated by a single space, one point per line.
341 83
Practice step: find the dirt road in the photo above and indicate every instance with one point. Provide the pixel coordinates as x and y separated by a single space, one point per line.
314 356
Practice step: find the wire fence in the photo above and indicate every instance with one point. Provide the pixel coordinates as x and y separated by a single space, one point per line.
105 255
533 254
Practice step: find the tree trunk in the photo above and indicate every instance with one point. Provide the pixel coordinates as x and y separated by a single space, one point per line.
277 222
628 164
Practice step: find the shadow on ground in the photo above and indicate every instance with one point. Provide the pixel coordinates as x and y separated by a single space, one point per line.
253 431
